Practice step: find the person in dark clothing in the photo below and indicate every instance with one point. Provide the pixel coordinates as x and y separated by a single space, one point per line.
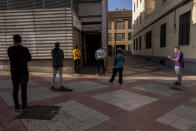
57 62
118 66
19 57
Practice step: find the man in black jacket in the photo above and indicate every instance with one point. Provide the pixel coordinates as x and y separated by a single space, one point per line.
19 57
57 62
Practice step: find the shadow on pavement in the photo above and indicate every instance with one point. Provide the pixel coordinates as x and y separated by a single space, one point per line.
39 112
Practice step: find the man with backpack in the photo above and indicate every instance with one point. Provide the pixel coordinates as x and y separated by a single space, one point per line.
57 62
100 56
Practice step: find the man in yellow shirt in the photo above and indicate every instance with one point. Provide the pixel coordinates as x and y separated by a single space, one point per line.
76 57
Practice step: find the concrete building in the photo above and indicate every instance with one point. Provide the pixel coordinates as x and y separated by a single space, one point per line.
160 25
41 23
122 19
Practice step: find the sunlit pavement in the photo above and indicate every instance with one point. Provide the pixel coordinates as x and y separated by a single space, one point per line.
145 102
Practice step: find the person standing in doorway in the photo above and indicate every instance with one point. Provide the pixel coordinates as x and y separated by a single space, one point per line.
19 57
76 57
178 64
100 57
57 62
118 66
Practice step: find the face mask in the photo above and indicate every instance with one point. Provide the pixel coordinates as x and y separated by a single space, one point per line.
176 51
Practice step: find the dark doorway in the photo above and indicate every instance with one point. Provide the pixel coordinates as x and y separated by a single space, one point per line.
92 43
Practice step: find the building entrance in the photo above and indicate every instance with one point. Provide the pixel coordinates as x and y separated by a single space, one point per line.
92 42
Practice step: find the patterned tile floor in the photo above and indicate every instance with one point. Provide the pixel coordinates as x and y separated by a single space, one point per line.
144 102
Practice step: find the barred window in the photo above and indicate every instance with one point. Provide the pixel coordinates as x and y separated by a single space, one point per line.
110 37
137 44
184 28
120 36
110 25
129 24
129 36
163 31
149 40
140 43
120 25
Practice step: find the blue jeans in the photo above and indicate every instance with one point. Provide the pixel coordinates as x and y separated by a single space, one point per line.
55 70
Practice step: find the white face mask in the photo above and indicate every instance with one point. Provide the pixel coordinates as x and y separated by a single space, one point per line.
176 51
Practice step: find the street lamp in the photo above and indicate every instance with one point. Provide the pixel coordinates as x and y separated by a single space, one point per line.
116 21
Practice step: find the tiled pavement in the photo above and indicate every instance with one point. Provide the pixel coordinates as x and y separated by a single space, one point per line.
145 102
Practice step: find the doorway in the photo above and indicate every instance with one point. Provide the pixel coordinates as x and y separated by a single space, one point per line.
92 43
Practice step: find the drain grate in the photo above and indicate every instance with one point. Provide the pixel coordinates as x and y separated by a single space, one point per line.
40 113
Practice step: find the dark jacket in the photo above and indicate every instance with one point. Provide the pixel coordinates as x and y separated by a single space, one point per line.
57 57
19 56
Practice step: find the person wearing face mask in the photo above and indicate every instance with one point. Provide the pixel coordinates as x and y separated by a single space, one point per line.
179 64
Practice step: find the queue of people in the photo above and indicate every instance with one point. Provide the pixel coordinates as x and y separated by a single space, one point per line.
19 57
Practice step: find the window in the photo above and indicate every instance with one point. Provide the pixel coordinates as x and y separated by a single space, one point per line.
120 25
129 36
140 18
137 44
184 29
149 40
163 31
109 25
110 37
120 36
134 44
140 43
129 24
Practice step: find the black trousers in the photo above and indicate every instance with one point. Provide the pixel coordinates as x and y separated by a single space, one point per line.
115 71
100 64
20 81
76 66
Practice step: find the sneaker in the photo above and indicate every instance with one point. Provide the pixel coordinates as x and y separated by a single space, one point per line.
177 83
110 81
62 88
25 108
17 108
52 88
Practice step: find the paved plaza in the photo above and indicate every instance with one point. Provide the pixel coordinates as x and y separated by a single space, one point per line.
145 102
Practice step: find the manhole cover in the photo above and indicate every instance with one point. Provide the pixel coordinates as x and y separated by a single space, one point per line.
40 113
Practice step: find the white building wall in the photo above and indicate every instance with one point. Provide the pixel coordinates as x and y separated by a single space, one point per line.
172 37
